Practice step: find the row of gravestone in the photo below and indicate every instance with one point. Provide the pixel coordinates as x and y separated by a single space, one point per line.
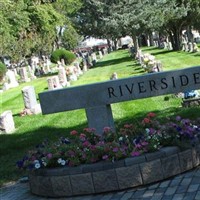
31 106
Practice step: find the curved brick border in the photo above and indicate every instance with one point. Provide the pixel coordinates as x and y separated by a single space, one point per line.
123 174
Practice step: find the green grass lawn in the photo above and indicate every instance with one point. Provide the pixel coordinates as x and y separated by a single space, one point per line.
31 130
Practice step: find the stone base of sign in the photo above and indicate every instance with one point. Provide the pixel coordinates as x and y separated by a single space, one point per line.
106 176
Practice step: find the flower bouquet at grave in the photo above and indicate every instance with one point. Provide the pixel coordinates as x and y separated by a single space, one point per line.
69 71
131 140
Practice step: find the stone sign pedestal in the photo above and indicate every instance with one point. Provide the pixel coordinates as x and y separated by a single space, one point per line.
30 101
7 124
104 119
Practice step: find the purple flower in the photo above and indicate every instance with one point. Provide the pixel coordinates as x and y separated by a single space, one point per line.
135 153
115 149
178 118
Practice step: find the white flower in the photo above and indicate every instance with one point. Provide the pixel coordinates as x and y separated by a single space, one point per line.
59 160
63 162
121 139
44 163
36 161
37 165
147 130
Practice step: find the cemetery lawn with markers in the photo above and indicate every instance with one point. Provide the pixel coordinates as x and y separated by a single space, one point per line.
34 129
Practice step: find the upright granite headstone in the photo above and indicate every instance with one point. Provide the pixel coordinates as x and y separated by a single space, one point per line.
100 55
79 71
7 124
53 83
62 77
24 75
12 82
30 101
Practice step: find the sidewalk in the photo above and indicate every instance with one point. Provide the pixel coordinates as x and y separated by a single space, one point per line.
182 187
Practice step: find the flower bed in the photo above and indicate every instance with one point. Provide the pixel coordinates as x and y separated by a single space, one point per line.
124 159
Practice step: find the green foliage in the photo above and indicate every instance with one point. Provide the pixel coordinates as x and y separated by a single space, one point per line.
59 54
3 70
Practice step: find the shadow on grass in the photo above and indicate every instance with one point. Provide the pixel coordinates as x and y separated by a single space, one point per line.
162 52
113 62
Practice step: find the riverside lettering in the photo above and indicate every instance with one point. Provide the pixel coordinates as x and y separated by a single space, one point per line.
157 85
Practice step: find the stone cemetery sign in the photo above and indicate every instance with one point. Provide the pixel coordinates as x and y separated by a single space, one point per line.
97 98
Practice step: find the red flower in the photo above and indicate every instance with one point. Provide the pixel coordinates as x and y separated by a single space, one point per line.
74 132
146 120
151 115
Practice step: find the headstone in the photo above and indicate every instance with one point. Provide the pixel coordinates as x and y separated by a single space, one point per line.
159 66
31 72
169 46
190 47
53 83
100 55
63 62
85 67
24 75
195 47
7 124
62 77
12 82
30 101
79 71
94 58
114 76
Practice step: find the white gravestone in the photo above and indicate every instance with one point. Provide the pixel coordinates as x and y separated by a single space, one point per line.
100 55
79 71
12 82
190 47
31 72
30 101
53 83
6 122
62 76
24 75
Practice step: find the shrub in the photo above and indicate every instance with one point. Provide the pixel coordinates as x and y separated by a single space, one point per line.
3 70
59 54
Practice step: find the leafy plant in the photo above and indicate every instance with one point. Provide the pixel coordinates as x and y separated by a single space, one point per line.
59 54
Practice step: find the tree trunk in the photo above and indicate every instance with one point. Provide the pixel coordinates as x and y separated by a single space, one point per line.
135 42
109 45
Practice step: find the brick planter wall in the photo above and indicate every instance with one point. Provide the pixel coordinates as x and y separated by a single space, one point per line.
106 176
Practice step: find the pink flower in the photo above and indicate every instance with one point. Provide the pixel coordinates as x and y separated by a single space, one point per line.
106 129
49 155
89 130
135 153
86 143
74 132
144 143
151 114
105 157
128 126
146 120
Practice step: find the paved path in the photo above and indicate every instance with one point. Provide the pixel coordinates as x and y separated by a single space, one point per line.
182 187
